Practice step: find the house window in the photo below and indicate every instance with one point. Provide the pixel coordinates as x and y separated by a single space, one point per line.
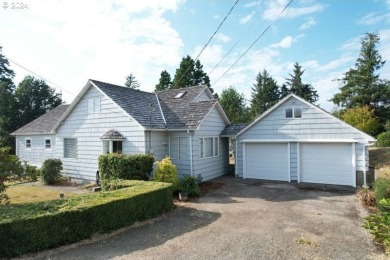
70 148
93 105
209 147
294 112
178 148
28 143
111 146
48 143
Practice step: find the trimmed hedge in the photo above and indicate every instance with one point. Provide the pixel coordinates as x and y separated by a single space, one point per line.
127 167
33 227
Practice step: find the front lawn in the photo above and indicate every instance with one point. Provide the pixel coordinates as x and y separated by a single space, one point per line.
23 193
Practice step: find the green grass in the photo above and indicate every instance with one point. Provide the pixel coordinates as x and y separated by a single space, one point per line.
29 194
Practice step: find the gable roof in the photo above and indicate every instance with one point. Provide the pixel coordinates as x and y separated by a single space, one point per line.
185 112
232 130
368 137
43 124
136 103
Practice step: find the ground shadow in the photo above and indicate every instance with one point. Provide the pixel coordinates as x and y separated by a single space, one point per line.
136 238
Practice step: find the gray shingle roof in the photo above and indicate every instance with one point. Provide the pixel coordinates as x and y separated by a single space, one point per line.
43 124
232 130
112 135
135 102
184 112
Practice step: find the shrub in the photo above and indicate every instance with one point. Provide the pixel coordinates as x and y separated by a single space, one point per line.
190 185
382 190
10 169
37 226
166 172
383 140
127 167
51 171
31 172
379 225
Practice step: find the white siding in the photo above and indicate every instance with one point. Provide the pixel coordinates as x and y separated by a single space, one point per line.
211 167
159 144
202 96
183 165
37 154
88 128
314 124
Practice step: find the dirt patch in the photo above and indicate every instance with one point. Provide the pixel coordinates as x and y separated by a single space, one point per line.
210 187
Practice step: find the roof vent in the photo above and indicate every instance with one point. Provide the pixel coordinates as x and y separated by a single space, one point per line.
180 94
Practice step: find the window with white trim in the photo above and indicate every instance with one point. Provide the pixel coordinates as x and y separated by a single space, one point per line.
70 148
178 148
47 143
28 143
209 147
93 105
295 112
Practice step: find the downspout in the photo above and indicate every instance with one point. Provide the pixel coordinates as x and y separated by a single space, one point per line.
235 157
364 167
191 160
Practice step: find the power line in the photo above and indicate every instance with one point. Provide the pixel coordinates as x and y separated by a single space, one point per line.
257 39
212 36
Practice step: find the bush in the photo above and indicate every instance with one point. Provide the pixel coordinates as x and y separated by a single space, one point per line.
189 184
382 190
31 172
166 172
383 140
379 225
51 171
37 226
127 167
10 169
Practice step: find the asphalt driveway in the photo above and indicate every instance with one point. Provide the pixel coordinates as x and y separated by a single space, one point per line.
241 221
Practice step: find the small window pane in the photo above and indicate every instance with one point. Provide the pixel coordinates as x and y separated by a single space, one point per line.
183 153
297 112
201 148
97 105
47 143
106 147
28 143
289 113
70 148
216 146
117 146
90 106
174 148
208 143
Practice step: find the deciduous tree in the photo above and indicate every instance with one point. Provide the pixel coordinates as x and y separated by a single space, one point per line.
363 118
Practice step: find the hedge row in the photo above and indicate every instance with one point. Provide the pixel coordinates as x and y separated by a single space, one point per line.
33 227
128 167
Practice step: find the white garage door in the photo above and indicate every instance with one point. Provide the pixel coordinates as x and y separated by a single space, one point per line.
267 161
326 163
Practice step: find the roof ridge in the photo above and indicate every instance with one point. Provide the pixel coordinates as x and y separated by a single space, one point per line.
114 85
166 90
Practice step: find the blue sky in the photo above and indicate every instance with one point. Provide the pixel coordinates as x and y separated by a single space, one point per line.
68 42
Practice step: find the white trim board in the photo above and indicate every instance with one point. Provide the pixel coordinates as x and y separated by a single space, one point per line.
298 141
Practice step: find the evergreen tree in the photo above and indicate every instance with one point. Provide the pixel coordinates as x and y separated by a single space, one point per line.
233 103
7 103
265 93
131 82
190 73
362 84
165 81
34 98
296 86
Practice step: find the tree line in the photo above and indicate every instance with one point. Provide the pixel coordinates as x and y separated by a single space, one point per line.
363 100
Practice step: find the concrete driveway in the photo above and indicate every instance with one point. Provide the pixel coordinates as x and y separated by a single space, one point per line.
245 220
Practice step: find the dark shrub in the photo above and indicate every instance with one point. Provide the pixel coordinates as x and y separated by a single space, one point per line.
382 190
51 171
31 172
189 184
383 140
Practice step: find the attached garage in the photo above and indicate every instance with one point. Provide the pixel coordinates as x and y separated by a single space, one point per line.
327 163
267 161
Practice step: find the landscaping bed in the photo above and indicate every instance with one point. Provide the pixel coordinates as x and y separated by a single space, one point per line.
42 225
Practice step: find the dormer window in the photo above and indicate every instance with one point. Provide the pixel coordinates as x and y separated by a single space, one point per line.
180 94
294 112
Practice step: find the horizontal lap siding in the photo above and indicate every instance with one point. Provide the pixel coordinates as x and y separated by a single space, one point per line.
159 144
88 128
212 167
37 154
314 124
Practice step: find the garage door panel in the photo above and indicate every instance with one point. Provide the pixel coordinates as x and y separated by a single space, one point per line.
267 161
326 163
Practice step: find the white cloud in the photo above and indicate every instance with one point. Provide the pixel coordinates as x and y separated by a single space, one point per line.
286 42
351 44
274 8
253 4
373 18
222 37
309 23
247 18
69 42
337 63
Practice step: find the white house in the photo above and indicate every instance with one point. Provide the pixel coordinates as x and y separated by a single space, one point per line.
184 124
297 141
